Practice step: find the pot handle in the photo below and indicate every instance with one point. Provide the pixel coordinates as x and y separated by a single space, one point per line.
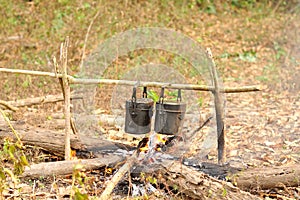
179 95
145 92
162 94
133 97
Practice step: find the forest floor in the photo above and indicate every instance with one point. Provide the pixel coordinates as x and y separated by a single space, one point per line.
256 45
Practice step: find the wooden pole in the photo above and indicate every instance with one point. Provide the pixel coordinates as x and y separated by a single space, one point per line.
67 94
73 80
219 110
161 84
30 72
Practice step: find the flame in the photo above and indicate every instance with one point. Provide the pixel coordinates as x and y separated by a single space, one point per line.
145 148
73 154
160 140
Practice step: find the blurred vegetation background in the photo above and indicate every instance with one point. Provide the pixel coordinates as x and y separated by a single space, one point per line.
251 39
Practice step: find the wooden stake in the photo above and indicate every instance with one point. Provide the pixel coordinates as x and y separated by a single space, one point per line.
219 110
67 93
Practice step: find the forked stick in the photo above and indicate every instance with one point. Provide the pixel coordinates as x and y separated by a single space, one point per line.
219 110
62 67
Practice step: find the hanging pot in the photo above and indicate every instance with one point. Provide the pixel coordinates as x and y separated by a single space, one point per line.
138 114
169 115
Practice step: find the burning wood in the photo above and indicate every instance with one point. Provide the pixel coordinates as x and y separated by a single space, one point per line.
157 142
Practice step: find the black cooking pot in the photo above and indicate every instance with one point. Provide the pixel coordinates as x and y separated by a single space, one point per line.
169 115
138 114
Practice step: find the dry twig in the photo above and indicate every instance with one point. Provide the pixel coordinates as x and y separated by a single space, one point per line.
86 38
8 105
16 134
117 177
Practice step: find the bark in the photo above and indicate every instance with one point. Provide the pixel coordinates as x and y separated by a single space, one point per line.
198 185
268 177
52 141
245 179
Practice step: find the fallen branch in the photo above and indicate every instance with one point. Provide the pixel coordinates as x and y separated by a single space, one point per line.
268 177
117 177
51 141
37 100
8 105
67 167
248 179
197 185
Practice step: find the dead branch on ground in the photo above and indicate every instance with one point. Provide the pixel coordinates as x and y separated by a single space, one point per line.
268 177
118 176
67 167
51 141
191 182
5 104
38 100
198 185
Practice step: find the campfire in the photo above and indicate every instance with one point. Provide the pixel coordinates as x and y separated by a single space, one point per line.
169 117
159 143
156 146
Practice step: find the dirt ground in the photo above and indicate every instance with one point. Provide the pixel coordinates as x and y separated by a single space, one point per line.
256 45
